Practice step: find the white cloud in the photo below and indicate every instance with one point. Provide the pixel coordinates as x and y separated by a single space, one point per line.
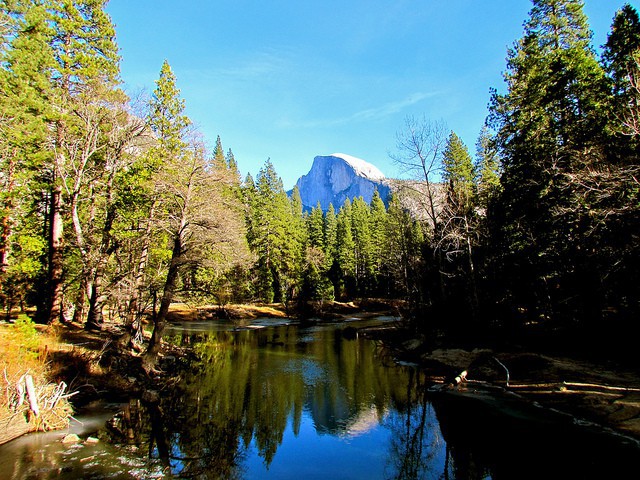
374 113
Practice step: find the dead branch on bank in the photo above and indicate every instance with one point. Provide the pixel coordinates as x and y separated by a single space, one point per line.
31 407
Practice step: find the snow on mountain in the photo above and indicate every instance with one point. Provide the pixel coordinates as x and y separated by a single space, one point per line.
334 178
362 168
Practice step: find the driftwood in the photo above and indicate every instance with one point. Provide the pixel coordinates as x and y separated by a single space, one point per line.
32 408
573 387
461 377
505 368
454 382
600 388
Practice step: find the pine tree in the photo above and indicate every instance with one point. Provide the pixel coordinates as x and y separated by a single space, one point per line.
76 61
249 199
487 168
548 125
166 116
277 237
622 44
345 252
457 238
90 105
25 95
297 234
377 223
219 161
232 166
170 128
402 250
621 58
330 232
315 227
458 172
360 227
170 153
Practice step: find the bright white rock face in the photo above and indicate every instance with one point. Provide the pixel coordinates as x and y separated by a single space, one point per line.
362 168
334 178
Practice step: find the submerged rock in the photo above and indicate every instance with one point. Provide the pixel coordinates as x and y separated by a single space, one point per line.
70 438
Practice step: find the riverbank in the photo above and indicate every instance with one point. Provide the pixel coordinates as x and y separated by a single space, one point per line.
603 392
316 310
31 400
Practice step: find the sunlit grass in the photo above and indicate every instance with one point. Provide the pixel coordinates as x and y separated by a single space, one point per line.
24 359
24 349
186 312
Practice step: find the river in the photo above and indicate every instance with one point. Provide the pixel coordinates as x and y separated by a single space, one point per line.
274 400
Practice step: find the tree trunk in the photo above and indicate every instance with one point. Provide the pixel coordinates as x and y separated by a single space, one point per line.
7 208
78 313
133 315
94 316
96 299
54 300
475 300
160 321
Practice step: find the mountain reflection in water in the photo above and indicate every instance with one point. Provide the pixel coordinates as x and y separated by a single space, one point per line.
286 402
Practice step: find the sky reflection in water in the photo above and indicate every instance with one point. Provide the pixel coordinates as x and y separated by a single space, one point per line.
289 402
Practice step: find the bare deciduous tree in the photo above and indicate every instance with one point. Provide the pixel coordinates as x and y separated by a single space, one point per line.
420 146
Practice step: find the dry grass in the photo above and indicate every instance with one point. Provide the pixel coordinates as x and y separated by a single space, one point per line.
24 349
185 312
24 354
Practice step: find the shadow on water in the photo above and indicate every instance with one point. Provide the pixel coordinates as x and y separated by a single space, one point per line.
505 438
320 402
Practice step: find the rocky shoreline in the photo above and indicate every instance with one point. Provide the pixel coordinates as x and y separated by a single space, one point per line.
600 392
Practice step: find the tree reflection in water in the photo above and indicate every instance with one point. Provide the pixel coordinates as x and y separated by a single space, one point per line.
292 402
249 386
416 447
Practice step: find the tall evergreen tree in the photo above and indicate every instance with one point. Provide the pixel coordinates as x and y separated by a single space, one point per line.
81 68
202 225
402 251
457 237
360 228
170 153
315 227
232 166
330 232
621 57
622 43
458 172
26 113
276 237
332 265
219 160
297 234
345 252
377 223
549 123
487 168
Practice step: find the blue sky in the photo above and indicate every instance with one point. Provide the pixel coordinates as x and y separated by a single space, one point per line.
292 79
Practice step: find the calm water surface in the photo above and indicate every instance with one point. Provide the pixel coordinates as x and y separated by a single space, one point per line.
292 402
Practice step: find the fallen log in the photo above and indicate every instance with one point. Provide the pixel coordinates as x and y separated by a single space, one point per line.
599 387
461 377
455 381
31 395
